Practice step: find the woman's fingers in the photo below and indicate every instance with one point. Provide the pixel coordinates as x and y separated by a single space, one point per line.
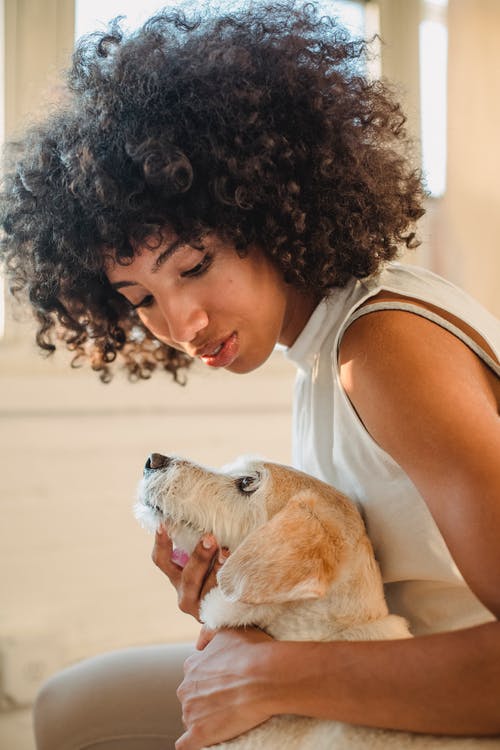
194 575
204 637
221 693
162 556
211 579
192 578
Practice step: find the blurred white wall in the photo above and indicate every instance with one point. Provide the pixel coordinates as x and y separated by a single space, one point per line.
467 230
461 229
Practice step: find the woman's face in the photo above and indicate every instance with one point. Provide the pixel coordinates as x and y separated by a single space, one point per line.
226 310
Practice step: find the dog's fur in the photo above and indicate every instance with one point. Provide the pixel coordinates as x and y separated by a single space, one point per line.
301 568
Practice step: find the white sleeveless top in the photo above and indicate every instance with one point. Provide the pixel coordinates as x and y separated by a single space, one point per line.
422 582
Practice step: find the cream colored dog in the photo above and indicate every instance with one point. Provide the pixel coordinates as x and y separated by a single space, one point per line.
301 568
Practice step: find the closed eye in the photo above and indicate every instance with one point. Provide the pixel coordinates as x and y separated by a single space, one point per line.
199 268
146 301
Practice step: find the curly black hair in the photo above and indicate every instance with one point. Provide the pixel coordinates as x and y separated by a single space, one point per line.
259 125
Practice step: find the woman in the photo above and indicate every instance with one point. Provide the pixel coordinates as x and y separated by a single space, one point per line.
211 189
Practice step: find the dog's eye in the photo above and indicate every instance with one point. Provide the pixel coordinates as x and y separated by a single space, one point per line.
247 484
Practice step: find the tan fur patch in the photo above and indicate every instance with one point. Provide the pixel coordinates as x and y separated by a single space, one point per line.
295 555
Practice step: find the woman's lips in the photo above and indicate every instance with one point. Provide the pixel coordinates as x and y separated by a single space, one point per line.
225 354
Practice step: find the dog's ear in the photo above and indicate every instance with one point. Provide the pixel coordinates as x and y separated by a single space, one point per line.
294 556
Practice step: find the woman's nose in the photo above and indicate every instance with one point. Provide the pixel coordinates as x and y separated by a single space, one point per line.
185 324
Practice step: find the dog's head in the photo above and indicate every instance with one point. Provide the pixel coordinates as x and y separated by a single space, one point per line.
288 533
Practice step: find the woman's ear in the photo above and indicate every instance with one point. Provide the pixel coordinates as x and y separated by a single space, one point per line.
294 556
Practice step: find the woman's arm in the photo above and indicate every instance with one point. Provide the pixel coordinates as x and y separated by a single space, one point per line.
440 684
432 405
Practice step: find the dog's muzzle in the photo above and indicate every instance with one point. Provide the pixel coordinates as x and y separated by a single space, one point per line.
156 461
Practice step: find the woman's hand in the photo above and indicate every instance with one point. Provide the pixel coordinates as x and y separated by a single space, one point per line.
197 577
224 690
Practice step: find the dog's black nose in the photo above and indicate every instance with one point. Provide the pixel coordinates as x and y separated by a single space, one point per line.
156 461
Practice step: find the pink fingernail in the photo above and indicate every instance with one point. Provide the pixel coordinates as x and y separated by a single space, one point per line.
179 557
208 542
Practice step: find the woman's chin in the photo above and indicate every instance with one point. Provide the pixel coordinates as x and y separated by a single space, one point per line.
244 365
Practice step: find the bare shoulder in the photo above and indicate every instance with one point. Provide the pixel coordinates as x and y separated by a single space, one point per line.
431 403
397 365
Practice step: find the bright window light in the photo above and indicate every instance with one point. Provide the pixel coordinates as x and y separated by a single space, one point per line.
93 15
2 136
350 13
2 307
433 78
2 126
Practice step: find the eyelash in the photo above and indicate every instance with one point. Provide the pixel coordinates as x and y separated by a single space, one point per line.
147 301
198 270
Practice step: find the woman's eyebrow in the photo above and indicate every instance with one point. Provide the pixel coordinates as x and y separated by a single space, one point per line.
167 253
121 284
158 262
